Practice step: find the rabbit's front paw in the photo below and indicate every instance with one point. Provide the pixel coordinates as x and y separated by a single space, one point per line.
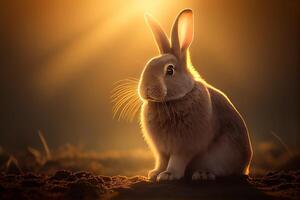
203 176
168 176
152 175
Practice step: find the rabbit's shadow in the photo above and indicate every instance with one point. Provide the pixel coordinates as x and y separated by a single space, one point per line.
233 188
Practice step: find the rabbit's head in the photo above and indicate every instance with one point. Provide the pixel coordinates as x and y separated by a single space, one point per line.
167 76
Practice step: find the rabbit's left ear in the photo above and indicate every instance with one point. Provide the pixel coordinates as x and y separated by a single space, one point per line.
182 32
159 35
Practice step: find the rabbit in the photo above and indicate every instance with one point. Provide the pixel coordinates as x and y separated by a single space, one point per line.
190 126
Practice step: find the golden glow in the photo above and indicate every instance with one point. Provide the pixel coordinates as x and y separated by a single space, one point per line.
69 61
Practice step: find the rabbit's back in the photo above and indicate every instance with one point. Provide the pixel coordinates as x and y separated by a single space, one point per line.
230 133
229 120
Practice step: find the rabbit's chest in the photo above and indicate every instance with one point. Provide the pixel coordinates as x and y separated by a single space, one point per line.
172 129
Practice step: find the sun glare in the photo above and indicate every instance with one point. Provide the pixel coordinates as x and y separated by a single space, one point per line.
71 60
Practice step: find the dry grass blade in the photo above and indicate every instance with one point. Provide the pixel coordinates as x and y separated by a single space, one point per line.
37 155
13 165
282 143
45 145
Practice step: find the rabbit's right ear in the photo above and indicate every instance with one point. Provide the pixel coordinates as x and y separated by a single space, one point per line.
182 32
160 36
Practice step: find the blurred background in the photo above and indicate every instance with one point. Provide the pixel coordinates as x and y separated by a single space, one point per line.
60 59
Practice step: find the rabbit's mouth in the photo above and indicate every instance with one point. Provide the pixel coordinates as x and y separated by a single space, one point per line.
153 94
153 99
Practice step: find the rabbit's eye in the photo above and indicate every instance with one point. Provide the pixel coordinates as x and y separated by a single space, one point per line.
170 70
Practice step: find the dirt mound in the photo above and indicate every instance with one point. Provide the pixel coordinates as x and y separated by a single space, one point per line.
62 185
280 184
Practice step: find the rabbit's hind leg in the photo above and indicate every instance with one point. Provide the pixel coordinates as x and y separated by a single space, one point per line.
203 176
222 159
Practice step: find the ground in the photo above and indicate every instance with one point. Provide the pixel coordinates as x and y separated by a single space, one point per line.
70 172
84 185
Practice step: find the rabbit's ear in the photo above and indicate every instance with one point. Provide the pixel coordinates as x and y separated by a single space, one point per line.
160 36
182 32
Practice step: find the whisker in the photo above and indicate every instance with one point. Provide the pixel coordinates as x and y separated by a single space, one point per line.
130 112
122 101
126 82
125 108
125 99
135 100
122 88
121 94
136 109
119 100
130 79
120 109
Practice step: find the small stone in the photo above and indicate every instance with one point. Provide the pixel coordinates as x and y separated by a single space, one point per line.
106 178
61 175
83 174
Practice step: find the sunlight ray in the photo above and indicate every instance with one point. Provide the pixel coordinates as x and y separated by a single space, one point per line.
69 62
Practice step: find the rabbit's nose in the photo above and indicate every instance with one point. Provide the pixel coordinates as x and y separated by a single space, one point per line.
148 93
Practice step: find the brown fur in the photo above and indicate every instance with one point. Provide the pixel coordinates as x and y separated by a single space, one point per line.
189 125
